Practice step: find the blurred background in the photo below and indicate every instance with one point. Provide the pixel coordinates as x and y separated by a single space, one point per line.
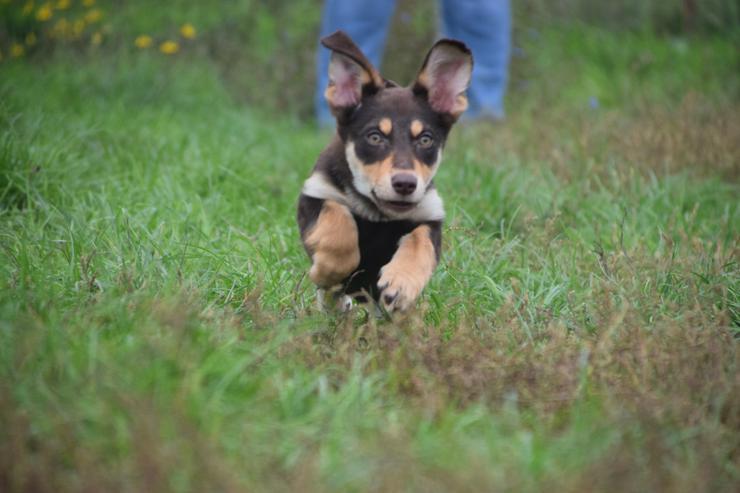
157 329
264 50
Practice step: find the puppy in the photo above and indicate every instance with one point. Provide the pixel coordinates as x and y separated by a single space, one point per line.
369 215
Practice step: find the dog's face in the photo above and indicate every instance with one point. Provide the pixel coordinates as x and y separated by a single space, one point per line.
393 146
393 136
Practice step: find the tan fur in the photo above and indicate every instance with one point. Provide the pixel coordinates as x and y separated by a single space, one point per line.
365 78
376 171
404 277
373 76
461 104
423 171
416 128
385 125
329 94
461 101
333 242
423 79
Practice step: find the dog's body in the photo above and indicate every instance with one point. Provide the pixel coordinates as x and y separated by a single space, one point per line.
369 216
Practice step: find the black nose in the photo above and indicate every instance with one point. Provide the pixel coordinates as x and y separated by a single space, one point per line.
404 183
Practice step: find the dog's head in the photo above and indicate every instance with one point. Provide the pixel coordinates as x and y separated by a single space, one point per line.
393 136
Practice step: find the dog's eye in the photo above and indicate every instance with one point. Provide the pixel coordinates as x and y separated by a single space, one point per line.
426 141
374 138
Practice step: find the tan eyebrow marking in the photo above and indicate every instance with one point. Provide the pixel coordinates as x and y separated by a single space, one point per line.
416 128
385 125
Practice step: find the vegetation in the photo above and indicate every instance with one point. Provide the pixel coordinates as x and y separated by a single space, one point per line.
157 332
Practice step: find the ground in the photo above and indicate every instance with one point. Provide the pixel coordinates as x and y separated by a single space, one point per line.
158 330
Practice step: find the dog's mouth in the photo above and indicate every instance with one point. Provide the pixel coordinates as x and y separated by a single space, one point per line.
394 205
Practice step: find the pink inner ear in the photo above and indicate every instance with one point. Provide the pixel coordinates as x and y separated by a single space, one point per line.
446 85
345 76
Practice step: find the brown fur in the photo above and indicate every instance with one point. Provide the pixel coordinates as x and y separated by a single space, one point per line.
386 126
416 128
376 171
367 224
340 43
409 270
423 171
461 101
333 242
329 94
424 80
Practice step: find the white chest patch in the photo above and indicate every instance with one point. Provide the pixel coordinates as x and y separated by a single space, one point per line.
430 208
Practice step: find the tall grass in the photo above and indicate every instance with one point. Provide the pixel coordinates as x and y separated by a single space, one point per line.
157 332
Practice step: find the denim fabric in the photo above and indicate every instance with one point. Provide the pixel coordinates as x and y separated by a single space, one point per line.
484 25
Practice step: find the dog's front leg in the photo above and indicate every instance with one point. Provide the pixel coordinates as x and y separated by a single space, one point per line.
404 277
331 240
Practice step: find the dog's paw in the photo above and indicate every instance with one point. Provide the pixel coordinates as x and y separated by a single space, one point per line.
398 288
334 300
345 303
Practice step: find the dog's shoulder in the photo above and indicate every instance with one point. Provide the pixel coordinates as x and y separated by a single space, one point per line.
331 175
332 163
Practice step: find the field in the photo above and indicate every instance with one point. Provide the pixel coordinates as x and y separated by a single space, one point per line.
158 333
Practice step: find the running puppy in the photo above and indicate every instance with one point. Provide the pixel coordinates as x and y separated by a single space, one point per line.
369 215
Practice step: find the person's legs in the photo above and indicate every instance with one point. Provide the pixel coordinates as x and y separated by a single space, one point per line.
485 26
366 22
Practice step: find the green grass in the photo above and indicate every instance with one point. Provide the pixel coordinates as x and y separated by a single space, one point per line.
157 332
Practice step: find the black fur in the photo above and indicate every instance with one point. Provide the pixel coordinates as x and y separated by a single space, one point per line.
378 243
379 231
309 209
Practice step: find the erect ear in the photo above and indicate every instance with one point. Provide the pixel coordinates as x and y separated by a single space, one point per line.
445 75
350 73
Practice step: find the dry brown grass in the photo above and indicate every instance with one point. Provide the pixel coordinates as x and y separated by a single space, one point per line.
655 140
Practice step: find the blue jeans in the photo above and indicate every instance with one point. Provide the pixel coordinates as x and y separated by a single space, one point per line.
484 25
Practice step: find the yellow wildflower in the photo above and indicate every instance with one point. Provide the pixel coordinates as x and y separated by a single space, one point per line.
31 39
61 28
96 38
44 13
188 31
27 8
169 47
93 16
143 41
17 50
78 27
62 5
88 3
